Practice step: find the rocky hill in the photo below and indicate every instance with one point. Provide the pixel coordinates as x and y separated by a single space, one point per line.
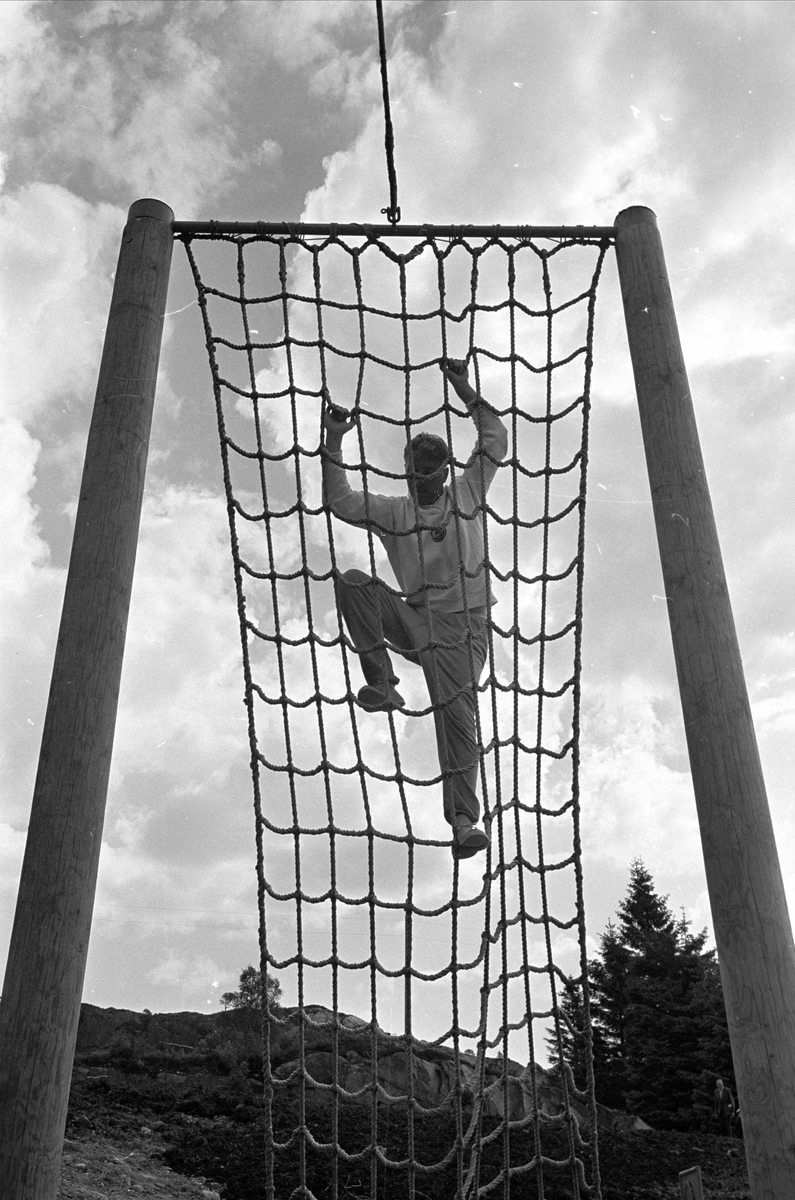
180 1095
194 1043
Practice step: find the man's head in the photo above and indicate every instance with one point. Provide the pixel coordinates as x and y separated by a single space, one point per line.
426 453
427 457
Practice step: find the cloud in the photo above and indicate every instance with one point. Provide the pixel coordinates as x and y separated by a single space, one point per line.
56 282
73 105
30 592
177 865
12 848
58 256
107 101
122 109
270 153
313 33
637 793
116 12
181 694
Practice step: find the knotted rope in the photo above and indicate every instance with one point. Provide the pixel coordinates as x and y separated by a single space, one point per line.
351 857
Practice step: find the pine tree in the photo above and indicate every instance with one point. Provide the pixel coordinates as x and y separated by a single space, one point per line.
568 1041
662 1061
659 1006
714 1044
573 1040
609 1003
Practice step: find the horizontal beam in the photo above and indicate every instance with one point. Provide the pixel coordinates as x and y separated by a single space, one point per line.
579 233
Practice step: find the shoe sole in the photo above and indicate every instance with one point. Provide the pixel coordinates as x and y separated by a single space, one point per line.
476 842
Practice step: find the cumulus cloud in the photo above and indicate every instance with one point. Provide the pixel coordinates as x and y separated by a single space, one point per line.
676 107
30 593
270 152
58 257
183 634
56 280
636 783
139 113
79 110
728 266
314 33
116 12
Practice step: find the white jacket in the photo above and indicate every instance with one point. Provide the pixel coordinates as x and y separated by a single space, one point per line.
427 545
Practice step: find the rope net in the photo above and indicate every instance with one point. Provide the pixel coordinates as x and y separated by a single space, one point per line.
420 987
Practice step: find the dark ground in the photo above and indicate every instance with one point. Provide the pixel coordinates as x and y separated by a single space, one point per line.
213 1132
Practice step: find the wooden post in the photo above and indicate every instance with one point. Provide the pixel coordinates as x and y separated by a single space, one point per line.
749 908
690 1187
43 986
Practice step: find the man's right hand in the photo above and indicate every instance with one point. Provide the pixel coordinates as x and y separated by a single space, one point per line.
336 421
457 375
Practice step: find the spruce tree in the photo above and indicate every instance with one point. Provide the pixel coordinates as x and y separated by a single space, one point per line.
658 1003
714 1045
609 1002
573 1039
571 1043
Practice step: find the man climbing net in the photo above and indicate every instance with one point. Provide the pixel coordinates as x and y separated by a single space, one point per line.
433 538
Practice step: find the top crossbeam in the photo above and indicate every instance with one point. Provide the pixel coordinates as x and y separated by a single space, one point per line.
573 233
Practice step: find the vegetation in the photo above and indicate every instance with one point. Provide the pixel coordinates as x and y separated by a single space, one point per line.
195 1081
251 995
660 1035
216 1132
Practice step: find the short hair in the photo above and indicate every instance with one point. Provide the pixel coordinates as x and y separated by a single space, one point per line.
428 453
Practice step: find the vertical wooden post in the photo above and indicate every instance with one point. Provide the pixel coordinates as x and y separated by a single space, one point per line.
749 908
40 1005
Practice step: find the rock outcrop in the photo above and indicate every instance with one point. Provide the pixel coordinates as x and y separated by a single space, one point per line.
508 1085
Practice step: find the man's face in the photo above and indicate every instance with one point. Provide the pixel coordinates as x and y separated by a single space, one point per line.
417 461
420 460
414 468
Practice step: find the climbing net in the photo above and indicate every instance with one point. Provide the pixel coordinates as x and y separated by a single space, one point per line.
420 988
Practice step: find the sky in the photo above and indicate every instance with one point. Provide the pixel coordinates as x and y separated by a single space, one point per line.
514 112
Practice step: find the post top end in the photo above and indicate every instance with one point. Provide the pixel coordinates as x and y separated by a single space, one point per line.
151 208
638 214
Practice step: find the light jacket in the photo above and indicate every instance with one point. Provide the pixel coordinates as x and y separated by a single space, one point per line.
427 545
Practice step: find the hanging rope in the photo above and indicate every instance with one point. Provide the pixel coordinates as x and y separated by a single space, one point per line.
436 1090
392 213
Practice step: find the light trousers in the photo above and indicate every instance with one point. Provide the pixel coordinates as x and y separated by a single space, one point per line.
379 620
